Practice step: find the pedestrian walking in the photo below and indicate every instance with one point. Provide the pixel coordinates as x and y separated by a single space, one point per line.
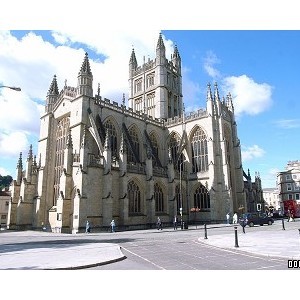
87 227
292 216
112 225
159 224
228 218
288 215
175 222
235 218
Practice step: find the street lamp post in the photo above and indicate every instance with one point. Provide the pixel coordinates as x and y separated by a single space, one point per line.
18 89
180 192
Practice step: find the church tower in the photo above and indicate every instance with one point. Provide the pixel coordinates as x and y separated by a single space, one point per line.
52 95
85 79
155 88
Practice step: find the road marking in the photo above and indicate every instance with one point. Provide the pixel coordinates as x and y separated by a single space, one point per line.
261 256
147 260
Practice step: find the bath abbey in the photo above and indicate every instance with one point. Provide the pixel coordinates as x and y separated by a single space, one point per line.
132 161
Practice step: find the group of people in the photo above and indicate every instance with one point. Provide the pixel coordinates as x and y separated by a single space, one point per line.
234 218
88 226
159 223
175 222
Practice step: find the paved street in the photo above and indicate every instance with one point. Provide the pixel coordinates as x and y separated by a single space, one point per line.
188 250
260 248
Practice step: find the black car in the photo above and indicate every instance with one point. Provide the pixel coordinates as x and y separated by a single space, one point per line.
257 218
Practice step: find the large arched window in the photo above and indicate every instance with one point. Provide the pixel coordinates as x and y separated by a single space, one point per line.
111 130
62 130
135 143
159 198
201 198
174 148
134 196
155 146
199 151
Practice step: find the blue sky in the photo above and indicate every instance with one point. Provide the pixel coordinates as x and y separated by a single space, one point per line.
258 67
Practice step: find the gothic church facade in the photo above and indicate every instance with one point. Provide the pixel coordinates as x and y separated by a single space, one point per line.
99 160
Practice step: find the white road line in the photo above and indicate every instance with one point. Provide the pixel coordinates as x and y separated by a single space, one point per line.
147 260
241 253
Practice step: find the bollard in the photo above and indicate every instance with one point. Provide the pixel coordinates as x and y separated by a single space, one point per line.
236 237
283 228
205 232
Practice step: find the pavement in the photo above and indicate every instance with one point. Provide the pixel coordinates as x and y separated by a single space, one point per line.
278 241
62 252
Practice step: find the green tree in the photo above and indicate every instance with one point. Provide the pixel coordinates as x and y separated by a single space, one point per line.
5 181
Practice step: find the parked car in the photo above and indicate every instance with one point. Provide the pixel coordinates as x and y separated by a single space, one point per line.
257 218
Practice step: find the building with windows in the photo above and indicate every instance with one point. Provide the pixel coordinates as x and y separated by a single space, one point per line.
100 160
271 197
4 204
288 183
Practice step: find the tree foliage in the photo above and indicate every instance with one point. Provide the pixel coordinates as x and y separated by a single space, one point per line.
5 181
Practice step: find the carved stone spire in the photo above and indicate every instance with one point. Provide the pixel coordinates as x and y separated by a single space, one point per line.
30 156
85 68
160 43
51 95
85 79
160 51
176 59
53 89
208 93
20 163
133 61
216 92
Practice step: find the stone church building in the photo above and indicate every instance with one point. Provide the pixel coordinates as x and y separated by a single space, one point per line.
99 160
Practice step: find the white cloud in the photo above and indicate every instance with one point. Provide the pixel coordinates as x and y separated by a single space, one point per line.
249 153
115 47
190 90
209 65
249 97
288 123
11 144
3 171
31 62
18 112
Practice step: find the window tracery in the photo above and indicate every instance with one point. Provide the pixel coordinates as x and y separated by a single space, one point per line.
199 151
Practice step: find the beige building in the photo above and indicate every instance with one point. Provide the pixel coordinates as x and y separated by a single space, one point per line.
288 183
99 160
4 204
271 197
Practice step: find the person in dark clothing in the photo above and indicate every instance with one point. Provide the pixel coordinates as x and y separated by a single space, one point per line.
87 227
159 224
